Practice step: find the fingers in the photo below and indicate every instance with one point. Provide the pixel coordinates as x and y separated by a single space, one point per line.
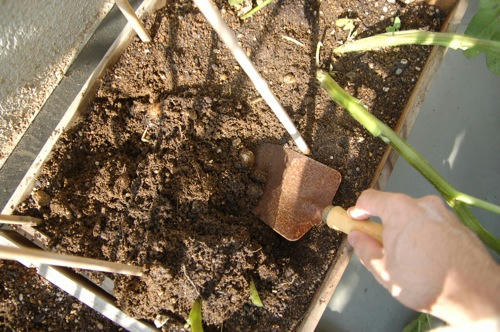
378 203
370 253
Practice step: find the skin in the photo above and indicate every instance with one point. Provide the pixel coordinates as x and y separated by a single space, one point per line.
429 261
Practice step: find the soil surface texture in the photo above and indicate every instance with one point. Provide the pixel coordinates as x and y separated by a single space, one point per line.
157 172
28 302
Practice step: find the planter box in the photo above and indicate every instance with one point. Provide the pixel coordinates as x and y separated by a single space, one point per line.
96 296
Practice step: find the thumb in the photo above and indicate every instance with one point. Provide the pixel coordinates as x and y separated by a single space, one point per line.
370 253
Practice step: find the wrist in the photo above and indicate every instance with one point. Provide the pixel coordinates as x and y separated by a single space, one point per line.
469 298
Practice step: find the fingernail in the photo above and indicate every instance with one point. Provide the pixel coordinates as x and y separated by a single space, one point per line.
357 213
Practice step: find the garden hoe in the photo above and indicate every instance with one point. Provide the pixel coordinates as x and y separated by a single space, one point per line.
298 194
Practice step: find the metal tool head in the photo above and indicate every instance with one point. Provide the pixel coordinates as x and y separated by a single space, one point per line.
296 191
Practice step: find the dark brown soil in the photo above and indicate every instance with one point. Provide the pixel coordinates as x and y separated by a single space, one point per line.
153 175
28 302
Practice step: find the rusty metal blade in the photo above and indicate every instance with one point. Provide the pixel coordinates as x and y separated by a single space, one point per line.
296 191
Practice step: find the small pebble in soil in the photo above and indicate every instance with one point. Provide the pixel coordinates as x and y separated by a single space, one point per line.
236 142
417 68
41 198
385 89
398 71
160 320
247 157
404 62
289 78
254 191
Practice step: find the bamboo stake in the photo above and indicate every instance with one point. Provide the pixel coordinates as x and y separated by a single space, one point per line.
131 17
19 220
52 258
211 13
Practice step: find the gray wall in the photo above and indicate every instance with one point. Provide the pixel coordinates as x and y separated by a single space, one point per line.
38 42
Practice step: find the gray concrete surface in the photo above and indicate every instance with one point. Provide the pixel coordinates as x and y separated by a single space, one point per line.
38 42
58 102
458 131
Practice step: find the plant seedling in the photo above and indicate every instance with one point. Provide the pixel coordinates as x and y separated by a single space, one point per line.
234 3
420 324
347 24
254 295
260 6
395 26
195 318
482 35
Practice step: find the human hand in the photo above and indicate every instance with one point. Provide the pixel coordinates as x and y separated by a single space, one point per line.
429 261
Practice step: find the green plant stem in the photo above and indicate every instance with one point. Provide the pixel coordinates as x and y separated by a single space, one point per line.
470 221
420 37
195 317
477 202
254 295
379 129
256 9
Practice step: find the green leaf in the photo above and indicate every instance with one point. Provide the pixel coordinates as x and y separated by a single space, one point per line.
486 25
259 6
346 23
420 324
395 26
254 295
194 320
234 3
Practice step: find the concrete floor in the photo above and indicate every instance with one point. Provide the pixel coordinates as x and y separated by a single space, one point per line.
38 42
458 131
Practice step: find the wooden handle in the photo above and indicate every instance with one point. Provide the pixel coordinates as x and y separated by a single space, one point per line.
337 218
19 220
131 17
52 258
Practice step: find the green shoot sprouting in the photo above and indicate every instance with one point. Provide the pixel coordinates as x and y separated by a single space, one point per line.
195 318
254 295
256 9
395 26
457 200
234 3
482 35
420 37
420 324
347 24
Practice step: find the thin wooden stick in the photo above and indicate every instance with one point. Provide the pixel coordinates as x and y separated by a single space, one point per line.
19 220
131 17
52 258
211 13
